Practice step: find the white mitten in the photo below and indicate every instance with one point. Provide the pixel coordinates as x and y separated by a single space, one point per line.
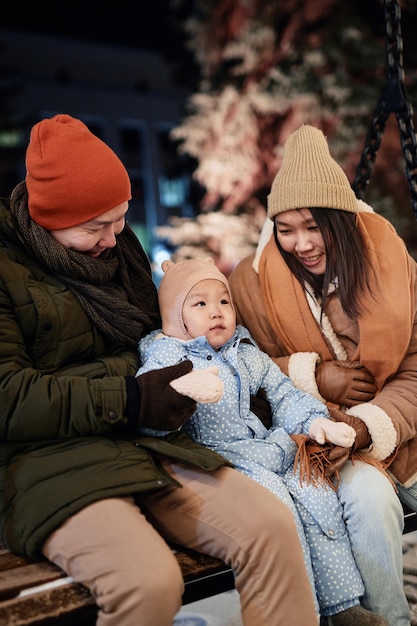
201 385
339 433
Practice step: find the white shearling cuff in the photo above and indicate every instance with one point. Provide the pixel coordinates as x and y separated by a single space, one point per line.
302 371
380 426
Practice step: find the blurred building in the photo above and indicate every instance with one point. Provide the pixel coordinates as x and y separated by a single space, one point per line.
127 97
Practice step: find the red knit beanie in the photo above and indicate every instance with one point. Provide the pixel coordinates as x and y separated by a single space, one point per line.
72 176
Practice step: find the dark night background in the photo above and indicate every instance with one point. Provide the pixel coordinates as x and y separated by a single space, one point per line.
143 24
158 26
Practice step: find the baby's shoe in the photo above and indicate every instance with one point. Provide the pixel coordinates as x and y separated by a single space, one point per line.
357 616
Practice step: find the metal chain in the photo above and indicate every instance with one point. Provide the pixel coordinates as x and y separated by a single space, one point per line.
394 99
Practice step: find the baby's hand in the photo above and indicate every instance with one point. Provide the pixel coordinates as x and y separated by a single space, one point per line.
201 385
339 433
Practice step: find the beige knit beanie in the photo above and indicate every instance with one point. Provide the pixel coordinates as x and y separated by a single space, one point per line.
309 177
176 284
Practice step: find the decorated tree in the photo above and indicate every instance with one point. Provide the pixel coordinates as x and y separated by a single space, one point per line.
265 68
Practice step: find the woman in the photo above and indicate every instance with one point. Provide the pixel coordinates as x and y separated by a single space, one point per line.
77 484
330 295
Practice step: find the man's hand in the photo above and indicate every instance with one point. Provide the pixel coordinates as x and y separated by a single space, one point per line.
345 382
160 406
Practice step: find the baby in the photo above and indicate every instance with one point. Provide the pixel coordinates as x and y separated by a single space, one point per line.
199 324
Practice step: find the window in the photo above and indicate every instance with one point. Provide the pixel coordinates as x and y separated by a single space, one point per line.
178 193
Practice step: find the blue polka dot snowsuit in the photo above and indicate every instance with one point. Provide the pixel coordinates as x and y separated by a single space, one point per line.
267 455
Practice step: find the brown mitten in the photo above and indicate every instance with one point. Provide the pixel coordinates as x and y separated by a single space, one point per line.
161 407
338 455
363 438
345 382
200 385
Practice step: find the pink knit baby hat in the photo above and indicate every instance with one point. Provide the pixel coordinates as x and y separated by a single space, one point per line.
176 284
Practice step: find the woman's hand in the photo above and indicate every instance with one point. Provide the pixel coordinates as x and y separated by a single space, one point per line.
339 455
363 438
345 382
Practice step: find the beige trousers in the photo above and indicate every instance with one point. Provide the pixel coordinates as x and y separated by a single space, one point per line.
113 549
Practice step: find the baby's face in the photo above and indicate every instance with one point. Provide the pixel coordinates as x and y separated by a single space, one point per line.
208 311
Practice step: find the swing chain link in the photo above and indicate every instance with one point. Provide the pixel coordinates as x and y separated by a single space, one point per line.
394 99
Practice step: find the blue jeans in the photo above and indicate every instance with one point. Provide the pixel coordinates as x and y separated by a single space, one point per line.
374 518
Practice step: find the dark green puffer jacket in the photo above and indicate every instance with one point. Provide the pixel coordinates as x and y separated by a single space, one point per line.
62 407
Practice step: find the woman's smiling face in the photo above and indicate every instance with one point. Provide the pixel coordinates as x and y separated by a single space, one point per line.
299 235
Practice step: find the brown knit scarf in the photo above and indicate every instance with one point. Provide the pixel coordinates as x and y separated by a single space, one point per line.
115 290
388 310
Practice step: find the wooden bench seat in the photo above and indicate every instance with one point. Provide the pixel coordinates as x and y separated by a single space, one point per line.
32 593
40 593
